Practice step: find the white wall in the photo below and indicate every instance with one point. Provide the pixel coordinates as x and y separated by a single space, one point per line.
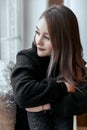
79 7
32 10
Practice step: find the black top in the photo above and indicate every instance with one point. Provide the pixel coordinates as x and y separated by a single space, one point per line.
32 88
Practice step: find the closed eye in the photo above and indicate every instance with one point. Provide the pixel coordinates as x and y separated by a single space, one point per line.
37 32
47 37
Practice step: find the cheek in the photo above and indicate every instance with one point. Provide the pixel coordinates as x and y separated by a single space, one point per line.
50 48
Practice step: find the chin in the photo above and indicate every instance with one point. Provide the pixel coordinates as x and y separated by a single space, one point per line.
41 55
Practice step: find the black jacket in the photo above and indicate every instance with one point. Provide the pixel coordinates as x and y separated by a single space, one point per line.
32 88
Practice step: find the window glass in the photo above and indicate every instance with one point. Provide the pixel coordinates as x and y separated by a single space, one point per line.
10 28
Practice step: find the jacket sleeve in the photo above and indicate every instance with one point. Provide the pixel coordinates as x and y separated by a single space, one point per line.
73 103
28 92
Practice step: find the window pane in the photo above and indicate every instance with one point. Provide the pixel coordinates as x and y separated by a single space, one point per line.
9 28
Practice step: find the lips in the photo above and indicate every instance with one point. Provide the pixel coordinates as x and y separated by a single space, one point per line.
40 49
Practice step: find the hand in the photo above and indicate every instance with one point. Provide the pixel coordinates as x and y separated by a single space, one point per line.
70 88
39 108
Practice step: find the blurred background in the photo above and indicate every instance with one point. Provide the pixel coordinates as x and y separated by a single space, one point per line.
18 19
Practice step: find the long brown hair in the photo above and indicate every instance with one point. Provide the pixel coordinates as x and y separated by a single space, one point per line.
67 50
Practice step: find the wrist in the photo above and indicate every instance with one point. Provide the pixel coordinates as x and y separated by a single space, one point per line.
69 87
46 107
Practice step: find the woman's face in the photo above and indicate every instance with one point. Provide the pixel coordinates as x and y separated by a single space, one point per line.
42 39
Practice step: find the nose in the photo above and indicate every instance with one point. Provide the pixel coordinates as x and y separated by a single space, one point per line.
40 41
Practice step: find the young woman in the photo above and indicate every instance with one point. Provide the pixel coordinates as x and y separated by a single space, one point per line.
50 79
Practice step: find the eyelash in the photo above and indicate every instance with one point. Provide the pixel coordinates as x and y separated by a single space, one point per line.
47 37
37 32
44 35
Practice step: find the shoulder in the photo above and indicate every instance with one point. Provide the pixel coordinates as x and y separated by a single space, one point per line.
28 54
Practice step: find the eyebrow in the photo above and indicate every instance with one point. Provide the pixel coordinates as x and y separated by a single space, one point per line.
39 30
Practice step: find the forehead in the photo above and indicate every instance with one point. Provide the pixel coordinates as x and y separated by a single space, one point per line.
42 25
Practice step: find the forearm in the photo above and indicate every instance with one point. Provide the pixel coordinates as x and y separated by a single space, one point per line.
37 94
73 103
30 93
39 108
48 106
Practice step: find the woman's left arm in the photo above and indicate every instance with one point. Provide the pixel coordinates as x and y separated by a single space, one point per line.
72 103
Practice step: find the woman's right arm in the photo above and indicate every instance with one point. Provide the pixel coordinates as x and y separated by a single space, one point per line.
28 91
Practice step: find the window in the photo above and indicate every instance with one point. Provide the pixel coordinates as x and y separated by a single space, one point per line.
10 28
